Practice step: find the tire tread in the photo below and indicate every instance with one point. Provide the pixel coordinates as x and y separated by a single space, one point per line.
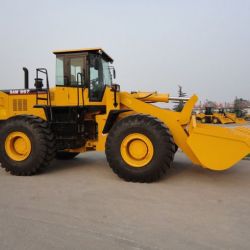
167 144
47 145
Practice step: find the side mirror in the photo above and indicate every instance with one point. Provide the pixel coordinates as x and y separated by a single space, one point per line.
114 73
115 88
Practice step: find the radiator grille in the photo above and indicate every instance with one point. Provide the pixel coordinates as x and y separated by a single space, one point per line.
20 105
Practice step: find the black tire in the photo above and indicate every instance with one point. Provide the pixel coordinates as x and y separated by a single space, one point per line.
63 155
160 137
42 145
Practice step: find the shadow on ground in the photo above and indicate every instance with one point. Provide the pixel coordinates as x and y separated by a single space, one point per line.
181 167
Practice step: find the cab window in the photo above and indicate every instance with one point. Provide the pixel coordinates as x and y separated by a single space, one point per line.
100 76
59 71
76 71
70 71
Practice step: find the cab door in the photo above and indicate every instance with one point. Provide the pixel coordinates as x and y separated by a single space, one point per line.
70 74
97 80
75 72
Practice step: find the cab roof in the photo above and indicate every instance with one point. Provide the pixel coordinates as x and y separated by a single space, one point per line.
95 50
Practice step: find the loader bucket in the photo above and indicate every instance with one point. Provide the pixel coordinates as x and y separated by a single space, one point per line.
219 148
234 118
240 121
223 119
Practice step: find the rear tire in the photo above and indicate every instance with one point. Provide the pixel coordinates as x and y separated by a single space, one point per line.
40 141
63 155
157 135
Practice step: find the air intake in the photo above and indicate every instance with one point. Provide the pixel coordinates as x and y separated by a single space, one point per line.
20 105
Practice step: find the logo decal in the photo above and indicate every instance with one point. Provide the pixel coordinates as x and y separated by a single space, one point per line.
19 91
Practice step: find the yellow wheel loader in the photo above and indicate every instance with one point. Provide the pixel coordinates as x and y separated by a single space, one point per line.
214 117
86 112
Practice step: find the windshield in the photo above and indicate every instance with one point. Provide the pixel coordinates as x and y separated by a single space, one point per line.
100 76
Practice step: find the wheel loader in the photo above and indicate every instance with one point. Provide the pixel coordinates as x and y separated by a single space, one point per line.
214 117
86 111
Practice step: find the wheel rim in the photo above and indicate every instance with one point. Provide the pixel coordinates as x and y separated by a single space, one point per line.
18 146
137 150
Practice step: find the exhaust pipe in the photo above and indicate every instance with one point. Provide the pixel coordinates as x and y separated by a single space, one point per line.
26 78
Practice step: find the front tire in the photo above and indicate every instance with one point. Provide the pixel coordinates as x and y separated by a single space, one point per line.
27 144
215 121
140 148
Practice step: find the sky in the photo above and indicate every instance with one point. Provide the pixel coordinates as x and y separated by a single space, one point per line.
204 46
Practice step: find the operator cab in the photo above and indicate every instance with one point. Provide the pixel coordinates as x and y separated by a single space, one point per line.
222 111
88 68
209 111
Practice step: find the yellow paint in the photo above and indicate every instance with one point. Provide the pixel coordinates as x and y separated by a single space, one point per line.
108 101
222 118
151 96
234 118
214 118
76 50
200 116
209 146
219 148
18 146
137 150
171 119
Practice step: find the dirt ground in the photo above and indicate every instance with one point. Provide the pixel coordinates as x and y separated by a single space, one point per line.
81 204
